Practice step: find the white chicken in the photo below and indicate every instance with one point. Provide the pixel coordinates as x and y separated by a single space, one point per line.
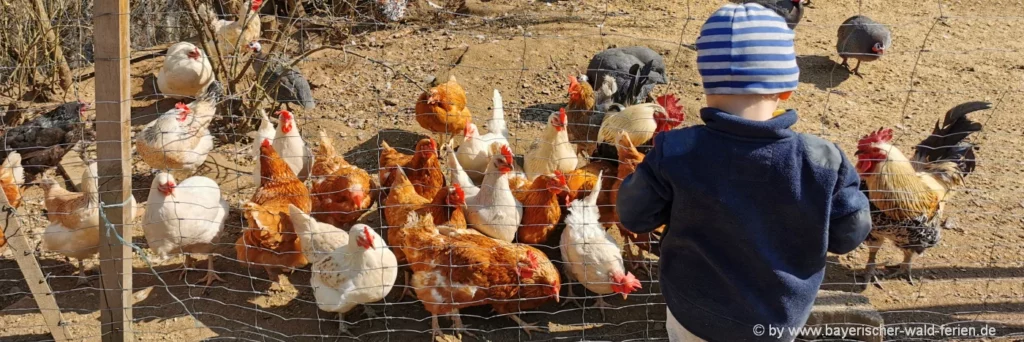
318 239
491 207
185 218
186 71
74 219
360 272
642 121
179 139
475 150
290 145
232 36
553 151
591 255
265 132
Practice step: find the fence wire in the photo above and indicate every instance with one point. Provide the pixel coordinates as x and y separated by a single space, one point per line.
369 65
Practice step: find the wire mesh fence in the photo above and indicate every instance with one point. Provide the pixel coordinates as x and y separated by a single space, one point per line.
258 270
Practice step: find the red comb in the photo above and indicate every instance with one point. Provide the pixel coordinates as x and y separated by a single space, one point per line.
671 105
561 116
181 106
573 83
560 176
881 135
458 190
507 152
285 115
367 236
266 143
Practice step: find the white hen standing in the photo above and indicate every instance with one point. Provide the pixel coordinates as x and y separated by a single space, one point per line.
360 272
185 218
553 151
591 255
234 35
186 71
491 208
178 140
265 132
475 151
318 239
290 145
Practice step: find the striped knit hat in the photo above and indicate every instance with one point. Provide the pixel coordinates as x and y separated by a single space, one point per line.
746 49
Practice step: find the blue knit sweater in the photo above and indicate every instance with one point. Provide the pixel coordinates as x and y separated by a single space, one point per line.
751 209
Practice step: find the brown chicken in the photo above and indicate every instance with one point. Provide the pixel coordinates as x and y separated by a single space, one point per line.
446 208
341 191
442 109
422 168
12 176
582 180
541 211
629 158
270 239
584 121
463 270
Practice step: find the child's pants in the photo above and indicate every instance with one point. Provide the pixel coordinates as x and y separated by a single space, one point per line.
676 332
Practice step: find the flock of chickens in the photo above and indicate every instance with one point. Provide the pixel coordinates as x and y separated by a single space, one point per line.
464 233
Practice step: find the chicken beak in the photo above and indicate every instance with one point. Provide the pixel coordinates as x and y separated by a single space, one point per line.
624 295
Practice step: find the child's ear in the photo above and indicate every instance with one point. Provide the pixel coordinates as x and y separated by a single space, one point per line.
785 96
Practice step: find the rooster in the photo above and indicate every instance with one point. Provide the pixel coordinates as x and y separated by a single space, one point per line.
423 168
642 122
290 145
491 207
553 151
475 150
233 35
270 239
186 71
541 210
462 270
442 109
341 191
43 141
179 140
185 217
908 197
12 177
591 254
266 131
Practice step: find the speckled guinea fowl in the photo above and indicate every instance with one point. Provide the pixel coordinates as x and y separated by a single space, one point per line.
286 84
862 39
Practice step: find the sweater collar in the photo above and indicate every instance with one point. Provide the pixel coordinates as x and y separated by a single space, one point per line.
776 127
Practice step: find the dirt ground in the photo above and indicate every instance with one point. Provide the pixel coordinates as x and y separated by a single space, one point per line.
944 53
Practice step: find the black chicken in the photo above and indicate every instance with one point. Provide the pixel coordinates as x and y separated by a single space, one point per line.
43 141
862 39
286 84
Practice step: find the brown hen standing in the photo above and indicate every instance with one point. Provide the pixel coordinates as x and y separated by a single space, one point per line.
422 168
541 211
442 109
463 270
270 239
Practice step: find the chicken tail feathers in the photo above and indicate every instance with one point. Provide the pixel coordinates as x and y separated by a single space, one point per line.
12 165
947 141
206 14
497 122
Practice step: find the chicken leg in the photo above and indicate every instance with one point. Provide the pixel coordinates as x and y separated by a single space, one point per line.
527 327
601 305
870 270
457 324
342 327
83 277
908 257
185 265
211 275
571 295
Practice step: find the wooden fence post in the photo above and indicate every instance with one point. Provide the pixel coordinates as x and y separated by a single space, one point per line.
17 241
113 151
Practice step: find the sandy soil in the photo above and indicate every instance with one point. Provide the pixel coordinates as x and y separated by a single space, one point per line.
944 53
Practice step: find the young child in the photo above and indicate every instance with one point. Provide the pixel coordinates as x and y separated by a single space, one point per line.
751 207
